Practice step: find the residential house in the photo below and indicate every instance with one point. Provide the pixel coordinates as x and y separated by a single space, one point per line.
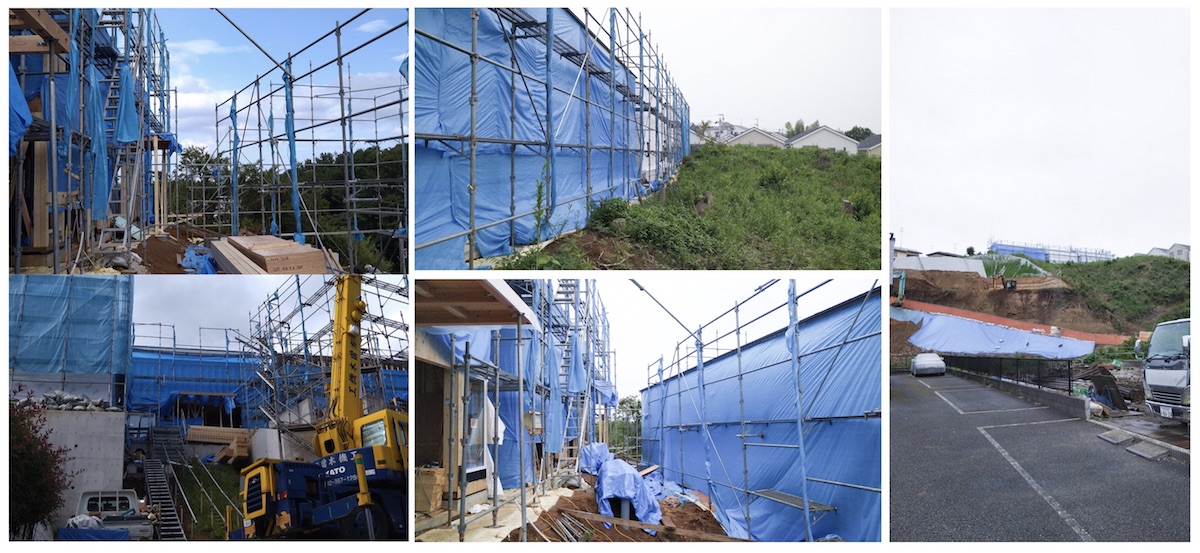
1176 251
755 136
823 137
872 145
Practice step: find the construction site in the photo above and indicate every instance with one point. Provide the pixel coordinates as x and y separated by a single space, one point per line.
246 431
521 434
530 117
1035 354
306 171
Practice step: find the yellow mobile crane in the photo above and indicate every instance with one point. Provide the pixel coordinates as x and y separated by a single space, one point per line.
358 487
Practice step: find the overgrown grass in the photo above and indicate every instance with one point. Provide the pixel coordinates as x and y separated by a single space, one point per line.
1143 290
772 208
568 257
208 525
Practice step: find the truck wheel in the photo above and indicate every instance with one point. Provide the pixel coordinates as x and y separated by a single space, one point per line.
354 527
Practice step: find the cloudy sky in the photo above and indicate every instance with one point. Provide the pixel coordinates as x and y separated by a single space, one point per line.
768 66
197 308
210 59
1066 127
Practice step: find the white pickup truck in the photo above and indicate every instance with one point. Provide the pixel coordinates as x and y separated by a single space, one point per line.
118 509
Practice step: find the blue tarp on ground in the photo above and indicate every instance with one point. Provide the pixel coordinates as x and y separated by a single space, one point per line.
949 334
78 324
838 381
618 480
592 456
506 175
92 534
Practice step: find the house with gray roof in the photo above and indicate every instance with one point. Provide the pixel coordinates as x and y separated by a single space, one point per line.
823 137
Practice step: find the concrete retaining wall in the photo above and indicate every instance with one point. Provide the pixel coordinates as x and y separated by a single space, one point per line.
96 440
1069 406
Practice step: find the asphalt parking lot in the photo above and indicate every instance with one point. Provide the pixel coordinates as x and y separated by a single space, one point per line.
972 463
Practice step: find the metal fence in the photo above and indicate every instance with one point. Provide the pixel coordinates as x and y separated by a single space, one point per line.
1053 374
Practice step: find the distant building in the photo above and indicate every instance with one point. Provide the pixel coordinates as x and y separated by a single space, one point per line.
945 254
1052 254
872 145
823 137
905 252
1182 252
755 136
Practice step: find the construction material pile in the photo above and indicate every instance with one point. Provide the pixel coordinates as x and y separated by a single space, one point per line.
60 400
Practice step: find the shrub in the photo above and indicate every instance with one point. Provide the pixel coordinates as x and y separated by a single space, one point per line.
37 474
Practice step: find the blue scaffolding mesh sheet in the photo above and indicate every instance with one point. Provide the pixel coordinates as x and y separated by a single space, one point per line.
76 324
841 373
504 174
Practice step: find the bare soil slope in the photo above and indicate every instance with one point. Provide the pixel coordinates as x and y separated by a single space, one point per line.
1044 300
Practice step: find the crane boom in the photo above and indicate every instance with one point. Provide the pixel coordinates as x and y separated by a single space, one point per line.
335 433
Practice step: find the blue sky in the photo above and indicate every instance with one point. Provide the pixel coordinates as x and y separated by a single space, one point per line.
210 59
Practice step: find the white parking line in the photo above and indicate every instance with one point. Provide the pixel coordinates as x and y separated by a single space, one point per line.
961 412
1062 513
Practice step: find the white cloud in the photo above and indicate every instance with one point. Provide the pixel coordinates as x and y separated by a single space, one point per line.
373 26
204 47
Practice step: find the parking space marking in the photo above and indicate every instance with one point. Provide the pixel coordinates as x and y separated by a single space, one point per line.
1062 513
961 412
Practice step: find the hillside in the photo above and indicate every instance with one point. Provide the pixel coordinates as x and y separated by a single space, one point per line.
1120 297
771 208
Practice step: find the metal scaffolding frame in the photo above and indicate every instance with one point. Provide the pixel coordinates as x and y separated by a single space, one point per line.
653 117
356 140
563 308
292 338
691 352
93 211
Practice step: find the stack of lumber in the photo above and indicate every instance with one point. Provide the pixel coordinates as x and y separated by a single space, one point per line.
235 442
267 255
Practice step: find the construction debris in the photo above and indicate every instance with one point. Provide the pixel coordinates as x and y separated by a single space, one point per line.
59 400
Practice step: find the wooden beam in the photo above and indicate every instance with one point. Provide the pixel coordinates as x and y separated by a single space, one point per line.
648 471
658 528
40 22
27 44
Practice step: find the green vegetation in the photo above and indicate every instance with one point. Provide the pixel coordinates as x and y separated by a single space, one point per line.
37 475
771 209
262 188
208 525
1142 290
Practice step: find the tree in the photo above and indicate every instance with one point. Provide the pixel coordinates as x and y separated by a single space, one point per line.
790 130
970 249
37 474
626 426
859 133
705 126
814 125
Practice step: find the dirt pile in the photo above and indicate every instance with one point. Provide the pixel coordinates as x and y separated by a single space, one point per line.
1043 300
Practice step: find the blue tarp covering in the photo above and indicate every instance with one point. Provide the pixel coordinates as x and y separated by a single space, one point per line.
482 344
92 534
618 480
949 334
605 393
19 116
504 176
838 381
126 129
78 324
158 378
592 456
